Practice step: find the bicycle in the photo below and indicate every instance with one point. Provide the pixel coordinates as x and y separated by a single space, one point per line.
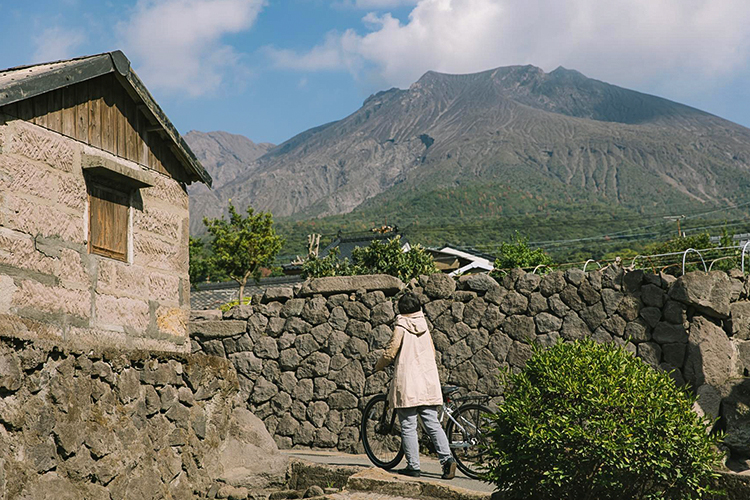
463 419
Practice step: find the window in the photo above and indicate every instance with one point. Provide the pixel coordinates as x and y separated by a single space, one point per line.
108 222
112 187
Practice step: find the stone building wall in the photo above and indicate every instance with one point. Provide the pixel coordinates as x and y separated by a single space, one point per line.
111 425
51 287
305 357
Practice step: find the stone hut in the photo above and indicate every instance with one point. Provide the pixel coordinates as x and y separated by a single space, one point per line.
93 208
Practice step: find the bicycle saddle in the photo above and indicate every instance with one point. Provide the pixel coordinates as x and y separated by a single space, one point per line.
449 389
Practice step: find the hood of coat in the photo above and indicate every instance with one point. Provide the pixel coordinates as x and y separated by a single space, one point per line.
414 323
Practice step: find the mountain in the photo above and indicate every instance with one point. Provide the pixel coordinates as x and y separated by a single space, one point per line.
559 138
225 156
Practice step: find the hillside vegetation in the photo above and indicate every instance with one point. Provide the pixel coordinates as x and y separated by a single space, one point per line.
469 159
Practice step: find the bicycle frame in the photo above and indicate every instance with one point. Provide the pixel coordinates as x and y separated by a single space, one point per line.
444 411
448 411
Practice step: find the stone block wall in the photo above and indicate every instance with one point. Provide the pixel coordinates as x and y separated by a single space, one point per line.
305 356
114 426
51 287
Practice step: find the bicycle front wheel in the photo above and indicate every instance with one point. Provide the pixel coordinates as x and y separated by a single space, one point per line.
381 433
466 437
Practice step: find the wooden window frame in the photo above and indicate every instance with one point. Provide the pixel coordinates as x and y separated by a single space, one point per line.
103 199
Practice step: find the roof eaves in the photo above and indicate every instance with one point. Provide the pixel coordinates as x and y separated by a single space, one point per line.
180 147
85 68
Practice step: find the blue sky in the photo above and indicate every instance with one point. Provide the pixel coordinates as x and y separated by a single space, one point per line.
269 69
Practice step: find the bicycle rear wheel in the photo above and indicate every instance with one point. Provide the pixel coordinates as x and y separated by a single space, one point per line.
466 439
381 433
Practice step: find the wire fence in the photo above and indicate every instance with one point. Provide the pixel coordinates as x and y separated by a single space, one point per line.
675 263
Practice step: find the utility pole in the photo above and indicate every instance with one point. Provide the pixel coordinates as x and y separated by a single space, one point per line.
676 218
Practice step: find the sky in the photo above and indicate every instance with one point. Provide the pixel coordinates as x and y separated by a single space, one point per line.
270 69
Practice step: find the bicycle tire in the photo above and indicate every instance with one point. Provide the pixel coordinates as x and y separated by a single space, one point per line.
382 445
466 444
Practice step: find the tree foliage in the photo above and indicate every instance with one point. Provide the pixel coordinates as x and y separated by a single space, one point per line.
590 421
198 265
243 245
202 267
379 257
682 243
517 253
387 257
330 265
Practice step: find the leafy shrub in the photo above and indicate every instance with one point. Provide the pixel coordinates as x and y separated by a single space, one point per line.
517 253
386 257
590 421
682 243
226 307
379 257
330 265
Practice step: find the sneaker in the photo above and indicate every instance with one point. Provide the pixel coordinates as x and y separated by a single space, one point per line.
449 469
407 471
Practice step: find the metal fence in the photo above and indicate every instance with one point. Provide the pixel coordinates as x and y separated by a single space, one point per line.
676 263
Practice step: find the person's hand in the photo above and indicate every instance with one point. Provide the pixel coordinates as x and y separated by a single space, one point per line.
380 365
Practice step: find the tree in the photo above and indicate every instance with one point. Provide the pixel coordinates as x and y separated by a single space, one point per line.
379 257
517 253
243 245
199 264
387 257
202 267
585 421
681 243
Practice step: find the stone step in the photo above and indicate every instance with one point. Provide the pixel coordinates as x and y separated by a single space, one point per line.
369 482
385 483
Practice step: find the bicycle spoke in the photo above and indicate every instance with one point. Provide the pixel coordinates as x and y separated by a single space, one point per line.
465 436
381 434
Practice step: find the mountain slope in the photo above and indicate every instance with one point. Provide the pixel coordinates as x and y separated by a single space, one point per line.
225 156
516 126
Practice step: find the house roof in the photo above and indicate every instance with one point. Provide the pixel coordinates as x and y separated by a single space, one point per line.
456 262
213 295
24 82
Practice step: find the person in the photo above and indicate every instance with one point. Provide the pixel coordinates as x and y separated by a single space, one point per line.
415 389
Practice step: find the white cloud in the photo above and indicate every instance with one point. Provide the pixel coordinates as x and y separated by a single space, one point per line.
629 42
374 4
177 44
56 43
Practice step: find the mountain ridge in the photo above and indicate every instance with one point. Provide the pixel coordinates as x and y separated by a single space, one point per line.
509 125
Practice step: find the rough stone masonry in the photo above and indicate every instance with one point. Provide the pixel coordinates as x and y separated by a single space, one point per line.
109 425
305 357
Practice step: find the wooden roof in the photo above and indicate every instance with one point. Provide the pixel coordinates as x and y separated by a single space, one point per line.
26 82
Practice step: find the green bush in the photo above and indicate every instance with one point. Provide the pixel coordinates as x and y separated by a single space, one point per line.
517 253
232 303
386 257
330 265
379 257
589 421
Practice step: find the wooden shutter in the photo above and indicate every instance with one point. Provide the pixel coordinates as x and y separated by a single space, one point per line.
108 222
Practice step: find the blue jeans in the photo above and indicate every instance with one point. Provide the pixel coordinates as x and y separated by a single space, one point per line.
408 419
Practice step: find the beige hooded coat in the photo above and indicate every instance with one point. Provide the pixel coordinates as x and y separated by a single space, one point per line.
415 379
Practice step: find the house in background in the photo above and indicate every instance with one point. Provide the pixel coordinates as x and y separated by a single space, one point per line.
455 262
93 208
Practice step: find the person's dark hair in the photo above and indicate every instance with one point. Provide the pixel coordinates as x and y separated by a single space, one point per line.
409 303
